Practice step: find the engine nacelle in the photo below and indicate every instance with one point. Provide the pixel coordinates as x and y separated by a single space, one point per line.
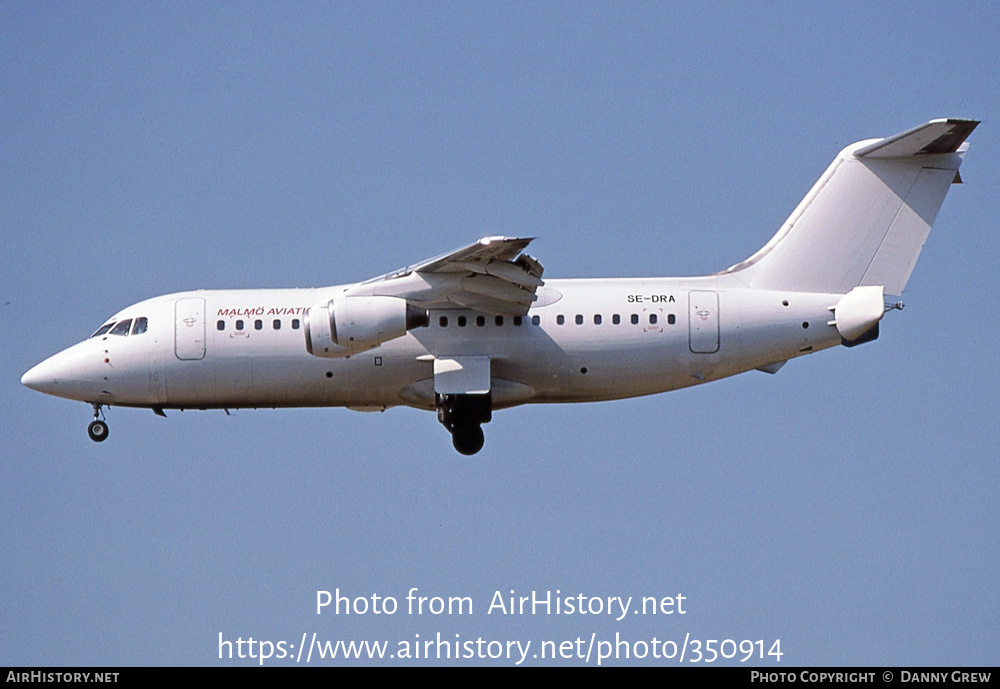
348 325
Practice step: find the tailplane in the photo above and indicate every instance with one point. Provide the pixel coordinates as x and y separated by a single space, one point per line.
867 218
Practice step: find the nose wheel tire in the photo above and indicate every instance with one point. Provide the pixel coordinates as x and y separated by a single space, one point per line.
98 431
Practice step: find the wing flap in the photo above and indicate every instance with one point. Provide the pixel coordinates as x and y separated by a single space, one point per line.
491 276
483 251
495 288
494 307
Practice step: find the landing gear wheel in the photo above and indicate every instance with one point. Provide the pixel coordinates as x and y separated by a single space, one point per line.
468 440
98 431
463 415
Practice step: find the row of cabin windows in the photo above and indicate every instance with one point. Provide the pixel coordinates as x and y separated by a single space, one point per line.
616 319
481 321
124 327
258 324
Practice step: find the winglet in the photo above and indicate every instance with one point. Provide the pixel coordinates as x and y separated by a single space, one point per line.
937 136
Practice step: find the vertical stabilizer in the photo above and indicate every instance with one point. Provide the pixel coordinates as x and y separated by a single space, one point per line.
867 218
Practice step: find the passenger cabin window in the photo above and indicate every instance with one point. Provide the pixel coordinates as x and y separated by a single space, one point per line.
480 321
220 325
140 326
597 319
616 319
560 319
635 319
276 324
536 320
461 321
258 324
652 319
517 320
239 325
295 324
671 318
103 329
122 328
443 321
498 321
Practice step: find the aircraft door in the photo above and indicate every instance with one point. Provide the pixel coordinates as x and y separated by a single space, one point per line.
703 321
189 328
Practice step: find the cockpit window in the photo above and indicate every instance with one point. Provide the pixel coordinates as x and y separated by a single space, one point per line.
122 327
140 326
103 329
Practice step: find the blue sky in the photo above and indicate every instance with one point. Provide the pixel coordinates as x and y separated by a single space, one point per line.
846 505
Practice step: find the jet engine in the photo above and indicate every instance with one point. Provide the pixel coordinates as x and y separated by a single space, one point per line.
349 325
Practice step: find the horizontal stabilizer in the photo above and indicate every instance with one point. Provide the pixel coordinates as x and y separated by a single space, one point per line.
937 136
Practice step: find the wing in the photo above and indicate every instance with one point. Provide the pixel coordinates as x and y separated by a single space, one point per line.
492 276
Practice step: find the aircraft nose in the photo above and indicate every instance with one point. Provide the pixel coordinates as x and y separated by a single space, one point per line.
41 377
73 373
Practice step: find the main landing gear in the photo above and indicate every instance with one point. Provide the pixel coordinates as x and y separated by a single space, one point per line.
463 415
98 428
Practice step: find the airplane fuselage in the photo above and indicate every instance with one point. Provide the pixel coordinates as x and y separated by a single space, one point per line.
590 340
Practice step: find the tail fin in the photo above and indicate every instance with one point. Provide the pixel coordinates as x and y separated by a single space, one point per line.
867 218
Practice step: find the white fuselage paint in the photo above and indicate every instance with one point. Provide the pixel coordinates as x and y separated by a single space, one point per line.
171 366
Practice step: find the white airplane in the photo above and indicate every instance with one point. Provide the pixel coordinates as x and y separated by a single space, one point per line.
478 329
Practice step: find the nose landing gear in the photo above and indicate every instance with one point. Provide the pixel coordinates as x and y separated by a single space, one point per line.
98 428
